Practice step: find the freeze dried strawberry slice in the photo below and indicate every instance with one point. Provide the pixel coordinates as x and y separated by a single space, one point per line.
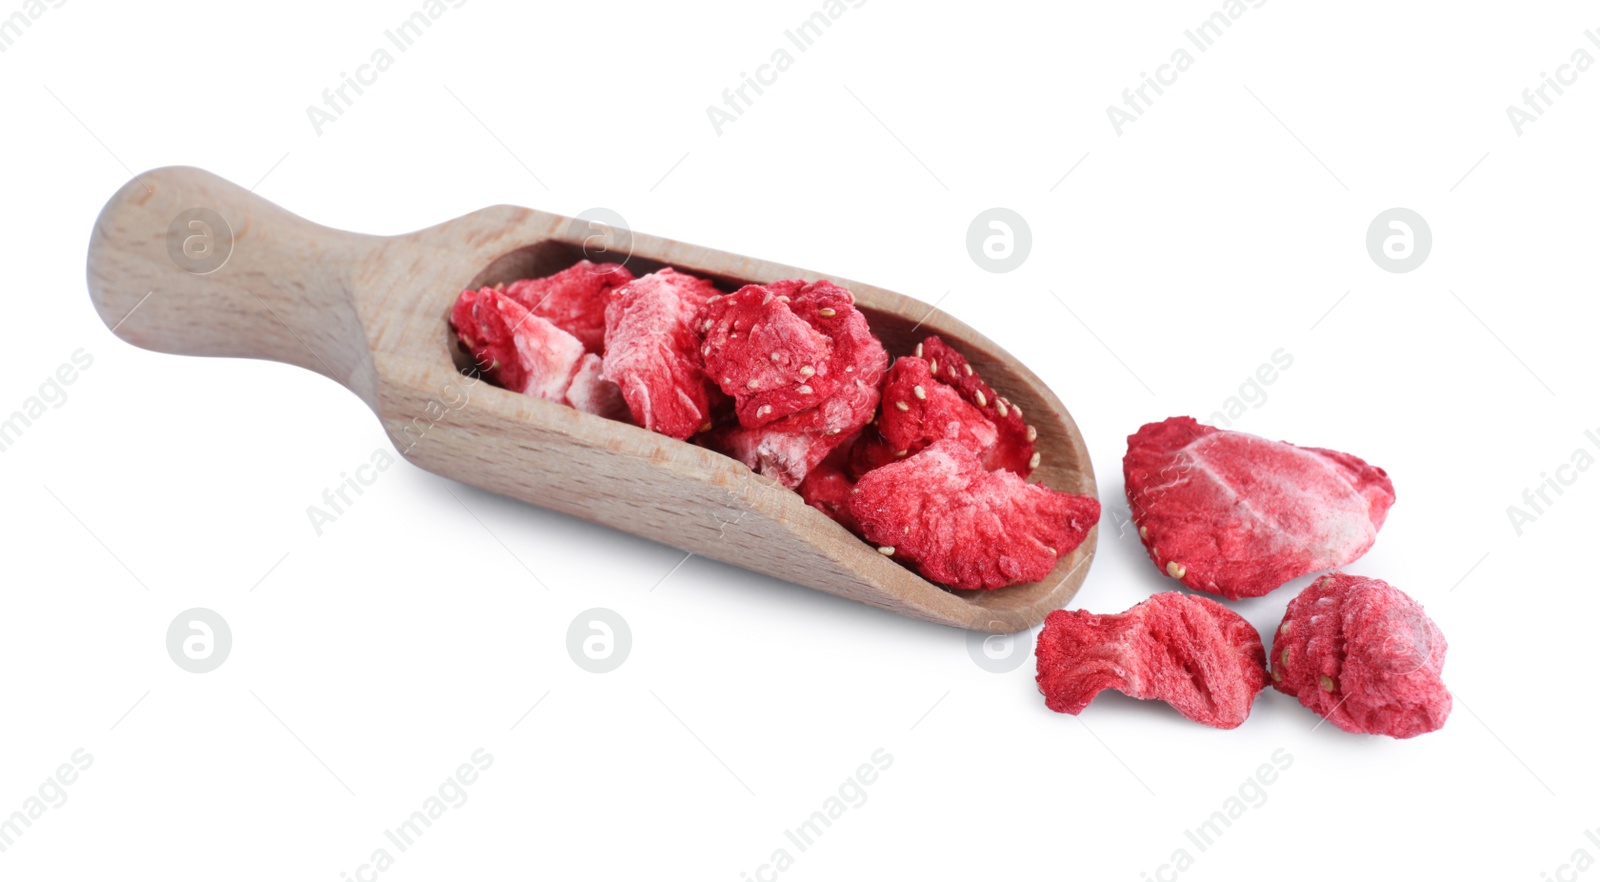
788 347
765 356
918 410
522 352
858 360
1364 655
574 299
839 391
514 348
653 352
1190 652
960 525
483 320
1237 515
788 449
1014 448
857 352
550 355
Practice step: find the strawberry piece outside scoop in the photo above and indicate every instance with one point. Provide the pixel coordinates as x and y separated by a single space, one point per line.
1364 655
1237 515
1193 653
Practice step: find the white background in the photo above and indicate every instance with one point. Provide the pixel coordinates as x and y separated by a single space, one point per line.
1174 259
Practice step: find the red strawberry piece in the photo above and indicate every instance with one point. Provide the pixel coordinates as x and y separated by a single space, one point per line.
850 362
770 360
1014 450
483 320
551 356
832 310
787 450
1190 652
653 352
958 524
827 488
1236 515
918 410
858 360
522 352
1365 656
574 299
789 347
839 416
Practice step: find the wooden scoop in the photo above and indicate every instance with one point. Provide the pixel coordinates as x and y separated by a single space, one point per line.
370 312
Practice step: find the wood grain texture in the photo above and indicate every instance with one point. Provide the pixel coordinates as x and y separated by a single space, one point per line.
371 313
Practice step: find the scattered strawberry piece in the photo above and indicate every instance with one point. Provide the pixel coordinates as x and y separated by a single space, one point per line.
1364 655
520 351
574 299
1190 652
653 352
959 525
1014 448
1236 515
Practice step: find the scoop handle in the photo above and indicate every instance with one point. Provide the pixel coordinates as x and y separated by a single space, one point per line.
183 261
